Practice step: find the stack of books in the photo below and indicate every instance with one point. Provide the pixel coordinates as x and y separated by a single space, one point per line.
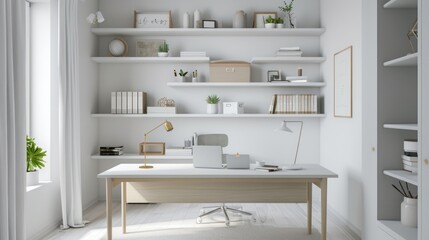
193 54
289 52
111 151
128 102
409 159
268 168
294 104
297 79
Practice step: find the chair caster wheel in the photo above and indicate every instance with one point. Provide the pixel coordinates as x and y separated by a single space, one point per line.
199 220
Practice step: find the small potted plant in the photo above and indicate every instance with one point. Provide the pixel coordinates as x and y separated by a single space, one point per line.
408 206
163 50
212 101
287 9
279 22
270 22
182 75
35 161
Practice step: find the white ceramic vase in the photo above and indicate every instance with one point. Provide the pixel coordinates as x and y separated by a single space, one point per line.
197 19
270 25
280 25
239 20
409 212
212 108
180 79
186 20
32 178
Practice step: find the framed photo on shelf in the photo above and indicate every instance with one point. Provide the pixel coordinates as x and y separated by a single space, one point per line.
259 18
273 75
148 47
343 72
152 19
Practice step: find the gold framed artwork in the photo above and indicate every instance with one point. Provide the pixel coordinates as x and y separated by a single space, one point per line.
343 83
152 19
259 18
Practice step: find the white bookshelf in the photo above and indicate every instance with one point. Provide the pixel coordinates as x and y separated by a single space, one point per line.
411 127
405 61
299 32
403 176
107 115
134 156
397 230
151 59
246 84
274 60
401 4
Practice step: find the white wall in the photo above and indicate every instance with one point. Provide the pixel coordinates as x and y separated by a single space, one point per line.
341 138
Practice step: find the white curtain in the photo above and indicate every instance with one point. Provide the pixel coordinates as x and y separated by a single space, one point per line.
12 119
70 165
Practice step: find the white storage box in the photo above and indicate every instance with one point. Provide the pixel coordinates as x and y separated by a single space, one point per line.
410 145
238 161
233 108
161 110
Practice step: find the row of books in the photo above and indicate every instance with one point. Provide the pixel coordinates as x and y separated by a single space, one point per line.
294 104
112 151
410 157
289 52
128 102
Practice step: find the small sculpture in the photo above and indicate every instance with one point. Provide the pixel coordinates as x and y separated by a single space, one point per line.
165 102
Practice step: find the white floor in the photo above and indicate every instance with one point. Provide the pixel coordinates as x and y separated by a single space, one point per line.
178 221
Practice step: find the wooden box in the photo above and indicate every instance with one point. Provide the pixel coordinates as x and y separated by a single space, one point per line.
152 148
229 71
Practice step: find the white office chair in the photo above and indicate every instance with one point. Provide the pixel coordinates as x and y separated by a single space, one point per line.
217 140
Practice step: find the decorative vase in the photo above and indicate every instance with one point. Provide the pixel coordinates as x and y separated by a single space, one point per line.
162 54
409 212
197 19
186 20
239 20
290 21
270 25
212 108
181 79
32 178
280 25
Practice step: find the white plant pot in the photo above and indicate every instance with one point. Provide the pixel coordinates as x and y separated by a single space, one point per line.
212 108
32 178
270 25
280 25
409 212
180 79
162 54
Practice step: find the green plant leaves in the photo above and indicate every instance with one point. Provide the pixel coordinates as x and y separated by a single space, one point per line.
35 156
213 99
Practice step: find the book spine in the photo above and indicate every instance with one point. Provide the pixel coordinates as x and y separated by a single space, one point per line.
113 102
124 103
140 102
273 100
129 102
119 102
134 103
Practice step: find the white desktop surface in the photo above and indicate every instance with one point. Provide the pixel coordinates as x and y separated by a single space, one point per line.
188 171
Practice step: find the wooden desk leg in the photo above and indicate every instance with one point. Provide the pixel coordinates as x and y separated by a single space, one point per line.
109 185
309 206
324 198
124 206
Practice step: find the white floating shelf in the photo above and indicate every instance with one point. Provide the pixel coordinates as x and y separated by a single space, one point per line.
130 156
245 84
308 60
208 115
403 176
208 32
397 230
412 127
405 61
151 59
401 4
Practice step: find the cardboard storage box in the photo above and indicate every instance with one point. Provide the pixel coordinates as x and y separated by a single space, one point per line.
229 71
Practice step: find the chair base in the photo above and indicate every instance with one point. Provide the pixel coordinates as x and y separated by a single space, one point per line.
224 209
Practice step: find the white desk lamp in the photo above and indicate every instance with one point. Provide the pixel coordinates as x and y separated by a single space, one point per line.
285 128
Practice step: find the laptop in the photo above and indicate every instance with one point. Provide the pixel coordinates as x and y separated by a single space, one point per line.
207 156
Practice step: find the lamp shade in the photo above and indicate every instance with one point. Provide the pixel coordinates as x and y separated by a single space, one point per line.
283 127
168 126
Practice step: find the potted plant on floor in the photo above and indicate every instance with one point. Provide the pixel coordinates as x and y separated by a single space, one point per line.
35 155
270 22
212 101
163 50
287 9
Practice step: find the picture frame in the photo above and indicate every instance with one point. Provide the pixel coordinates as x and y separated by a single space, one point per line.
273 75
259 18
148 47
343 83
209 24
152 19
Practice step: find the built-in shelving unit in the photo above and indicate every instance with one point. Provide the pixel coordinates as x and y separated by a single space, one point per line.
107 115
273 60
245 84
401 4
301 32
151 59
134 156
405 61
411 127
397 230
403 176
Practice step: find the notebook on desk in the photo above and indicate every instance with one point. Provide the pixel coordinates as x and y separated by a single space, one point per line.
207 156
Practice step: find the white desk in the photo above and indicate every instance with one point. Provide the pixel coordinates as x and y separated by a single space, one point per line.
182 183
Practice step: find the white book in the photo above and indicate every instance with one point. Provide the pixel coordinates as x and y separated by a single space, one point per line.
294 54
409 163
119 102
130 102
408 158
290 78
113 102
124 103
410 169
290 49
134 103
140 102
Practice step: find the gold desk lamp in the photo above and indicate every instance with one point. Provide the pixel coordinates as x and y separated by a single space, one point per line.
168 127
285 128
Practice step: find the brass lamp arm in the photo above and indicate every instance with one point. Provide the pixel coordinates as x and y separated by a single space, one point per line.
153 129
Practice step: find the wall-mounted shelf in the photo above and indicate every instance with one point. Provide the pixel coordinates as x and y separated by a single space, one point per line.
150 59
134 156
245 84
301 32
401 4
308 60
107 115
397 230
405 61
412 127
403 176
